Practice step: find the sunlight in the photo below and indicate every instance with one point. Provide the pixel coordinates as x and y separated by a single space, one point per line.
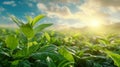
94 23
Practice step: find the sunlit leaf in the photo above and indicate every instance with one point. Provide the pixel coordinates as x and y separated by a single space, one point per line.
27 30
29 18
66 54
36 19
11 42
47 36
41 27
115 57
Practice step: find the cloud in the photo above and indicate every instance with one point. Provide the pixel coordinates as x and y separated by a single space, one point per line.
57 1
65 1
5 20
41 6
91 10
2 9
12 3
113 3
8 26
54 10
106 8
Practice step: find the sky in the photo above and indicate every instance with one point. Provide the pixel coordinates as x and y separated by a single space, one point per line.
74 13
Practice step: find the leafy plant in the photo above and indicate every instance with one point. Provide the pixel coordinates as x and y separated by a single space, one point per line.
29 29
115 57
20 52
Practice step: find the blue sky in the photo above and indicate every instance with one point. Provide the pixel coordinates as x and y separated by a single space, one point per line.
62 12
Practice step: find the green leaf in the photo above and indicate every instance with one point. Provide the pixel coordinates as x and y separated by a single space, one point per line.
27 30
115 57
43 55
29 18
68 64
17 21
21 53
14 63
47 36
24 63
36 19
50 62
67 55
38 63
33 48
41 27
61 64
48 48
11 42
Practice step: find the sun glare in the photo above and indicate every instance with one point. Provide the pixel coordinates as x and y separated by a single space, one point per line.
94 23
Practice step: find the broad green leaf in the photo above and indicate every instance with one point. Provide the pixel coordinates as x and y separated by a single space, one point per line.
47 36
43 55
50 62
27 30
11 42
48 48
66 54
41 27
115 57
29 18
36 19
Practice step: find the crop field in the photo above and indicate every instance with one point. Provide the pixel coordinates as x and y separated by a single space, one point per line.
31 46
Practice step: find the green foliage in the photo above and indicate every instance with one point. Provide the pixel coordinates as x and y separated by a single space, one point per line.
11 42
50 62
29 29
115 57
36 19
17 21
29 46
41 27
64 52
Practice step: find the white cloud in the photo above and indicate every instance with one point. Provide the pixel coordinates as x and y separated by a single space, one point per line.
90 10
54 10
113 5
41 6
63 12
12 3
